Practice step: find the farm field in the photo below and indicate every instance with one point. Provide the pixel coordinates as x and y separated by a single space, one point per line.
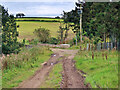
99 72
45 19
26 29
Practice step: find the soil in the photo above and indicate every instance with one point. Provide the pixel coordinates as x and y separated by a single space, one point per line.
71 77
36 80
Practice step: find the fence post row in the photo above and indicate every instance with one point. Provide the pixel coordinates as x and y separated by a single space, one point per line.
100 46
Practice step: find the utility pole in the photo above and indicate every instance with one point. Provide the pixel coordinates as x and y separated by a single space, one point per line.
0 33
80 6
81 23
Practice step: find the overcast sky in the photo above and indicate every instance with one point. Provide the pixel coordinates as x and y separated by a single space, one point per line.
39 8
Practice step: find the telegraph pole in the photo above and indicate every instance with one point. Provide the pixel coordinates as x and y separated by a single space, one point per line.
80 5
81 23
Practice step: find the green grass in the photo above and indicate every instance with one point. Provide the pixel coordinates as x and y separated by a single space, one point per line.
101 72
0 78
74 47
54 78
27 28
20 67
46 19
83 45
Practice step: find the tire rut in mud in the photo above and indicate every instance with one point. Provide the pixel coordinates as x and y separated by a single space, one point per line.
71 77
39 77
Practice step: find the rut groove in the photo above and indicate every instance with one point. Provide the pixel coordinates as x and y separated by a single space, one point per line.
71 77
39 77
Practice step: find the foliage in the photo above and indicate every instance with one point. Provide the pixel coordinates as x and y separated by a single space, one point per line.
20 15
53 40
57 17
42 34
63 31
34 41
9 33
99 19
19 67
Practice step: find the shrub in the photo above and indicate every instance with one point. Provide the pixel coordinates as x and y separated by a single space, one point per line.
34 41
42 34
53 40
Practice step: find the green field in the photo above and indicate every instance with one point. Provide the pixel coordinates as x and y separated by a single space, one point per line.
99 71
26 28
45 19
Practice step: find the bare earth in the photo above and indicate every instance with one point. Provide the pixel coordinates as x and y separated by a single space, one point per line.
71 77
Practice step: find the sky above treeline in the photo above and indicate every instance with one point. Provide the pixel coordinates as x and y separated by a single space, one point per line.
43 8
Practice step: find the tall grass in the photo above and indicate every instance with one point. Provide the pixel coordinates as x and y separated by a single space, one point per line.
100 71
18 67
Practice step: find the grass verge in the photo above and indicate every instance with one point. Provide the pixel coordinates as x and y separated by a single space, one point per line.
20 67
54 78
100 72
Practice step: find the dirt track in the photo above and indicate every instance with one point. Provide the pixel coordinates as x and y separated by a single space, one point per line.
36 80
71 78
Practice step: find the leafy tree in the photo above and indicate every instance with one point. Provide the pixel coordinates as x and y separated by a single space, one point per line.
57 17
72 18
102 20
9 33
99 20
60 33
63 31
20 15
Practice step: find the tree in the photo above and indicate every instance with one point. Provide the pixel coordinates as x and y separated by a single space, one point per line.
9 33
100 20
57 17
72 19
60 33
63 31
20 15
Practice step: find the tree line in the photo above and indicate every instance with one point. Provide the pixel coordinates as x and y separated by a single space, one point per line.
99 21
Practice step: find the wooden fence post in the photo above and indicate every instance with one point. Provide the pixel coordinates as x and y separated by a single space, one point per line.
89 48
92 55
